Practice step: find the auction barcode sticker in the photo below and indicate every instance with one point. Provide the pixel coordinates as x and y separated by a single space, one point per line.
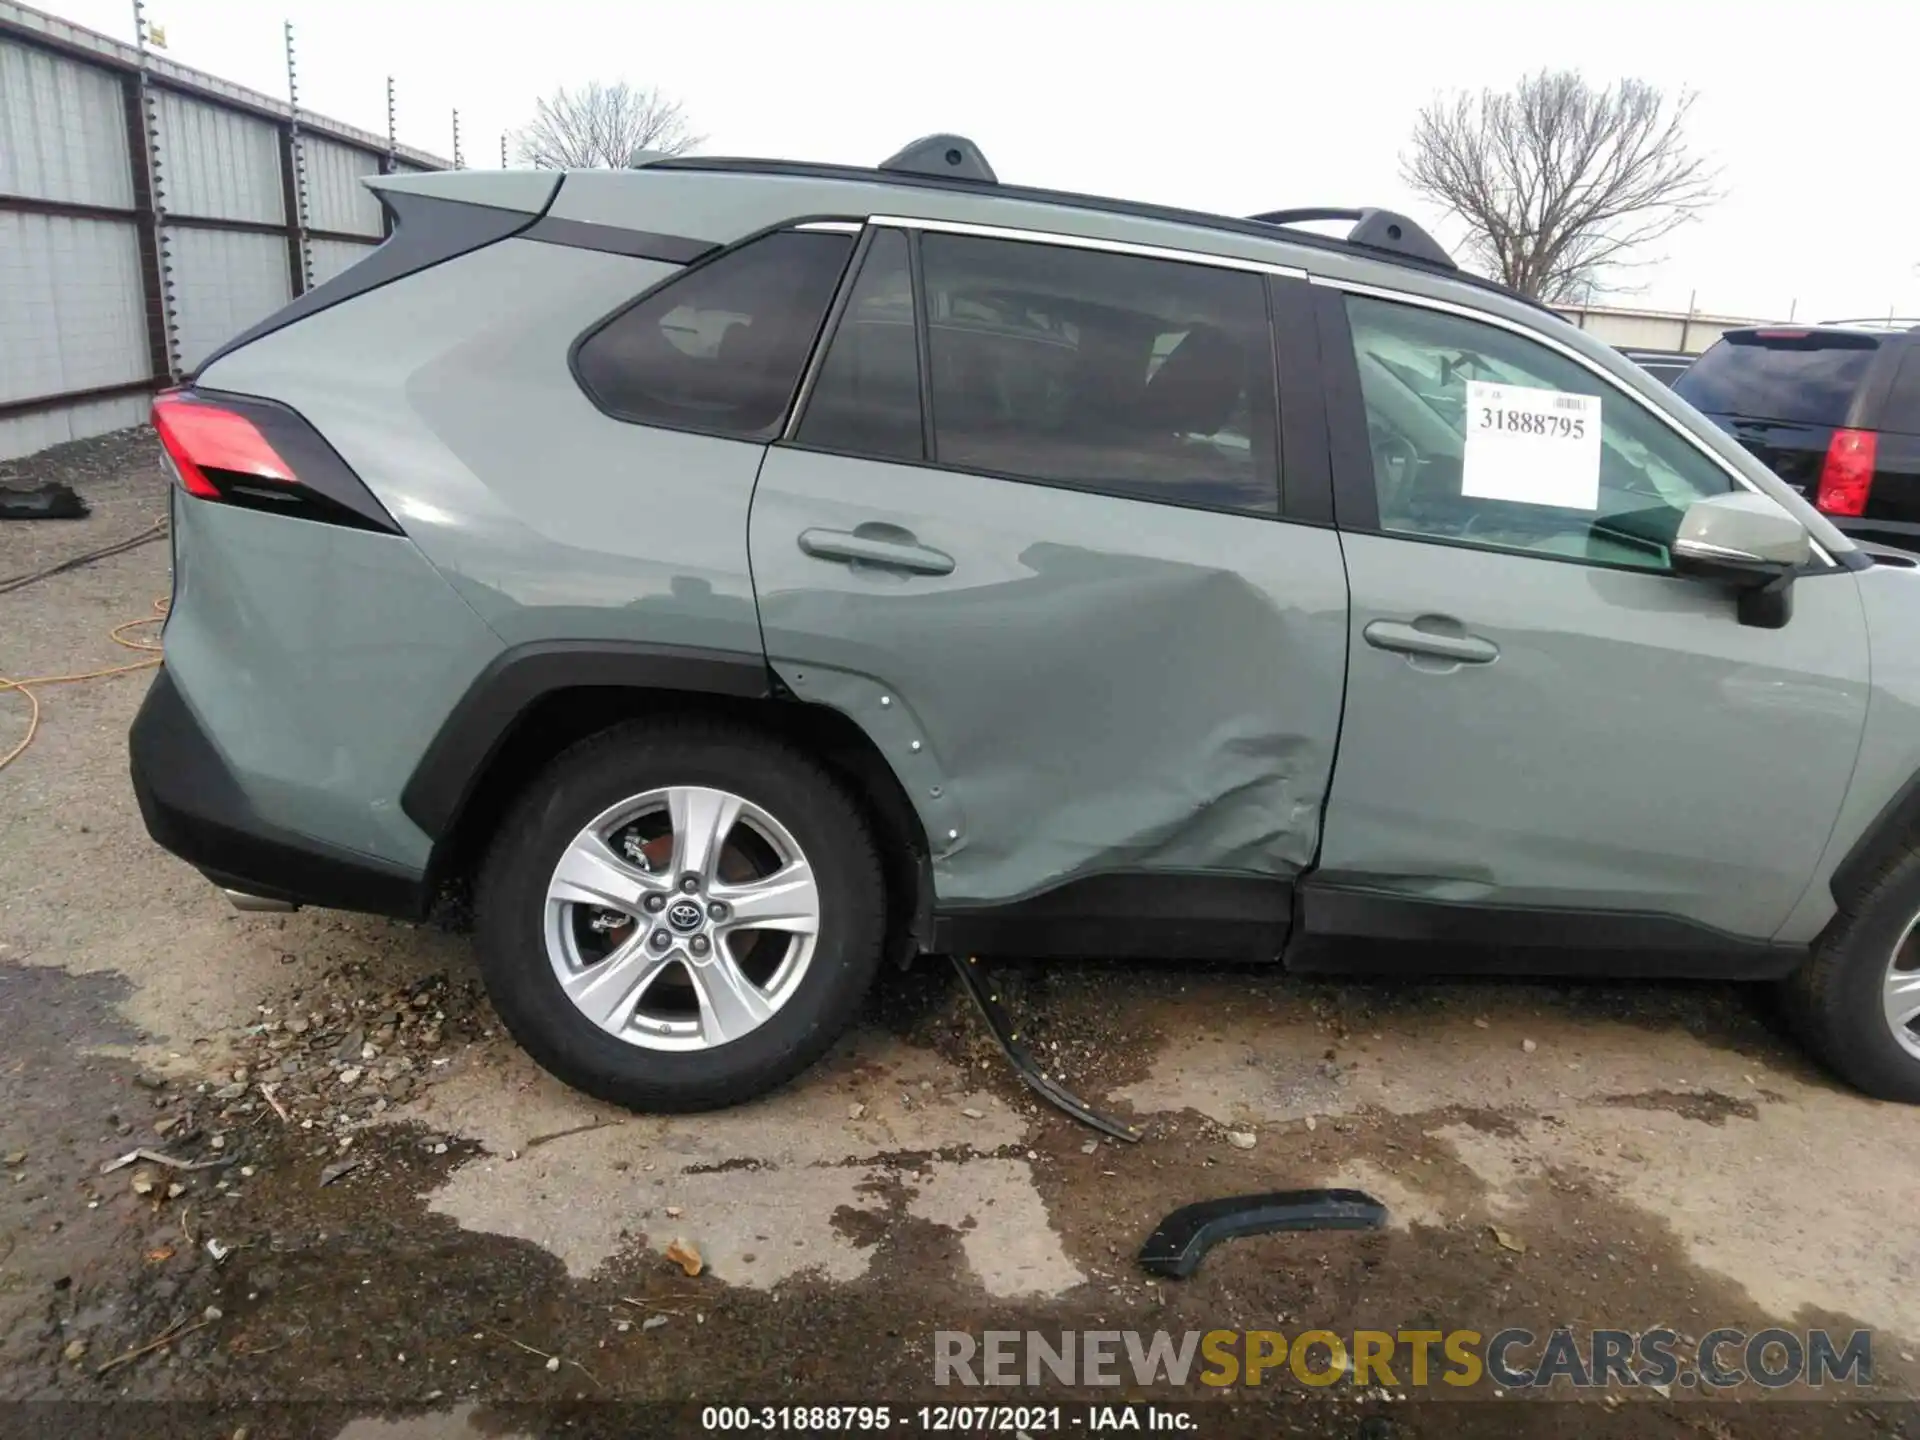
1539 447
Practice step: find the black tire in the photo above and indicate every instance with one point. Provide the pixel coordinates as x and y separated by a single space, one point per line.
1834 1001
510 907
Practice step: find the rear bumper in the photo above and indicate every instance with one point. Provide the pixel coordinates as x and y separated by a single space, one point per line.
194 806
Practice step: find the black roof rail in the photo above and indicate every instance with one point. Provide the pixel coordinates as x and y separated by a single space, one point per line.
1382 230
910 169
952 156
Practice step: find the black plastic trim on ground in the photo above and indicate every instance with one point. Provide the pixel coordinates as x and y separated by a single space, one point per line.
1181 1241
986 996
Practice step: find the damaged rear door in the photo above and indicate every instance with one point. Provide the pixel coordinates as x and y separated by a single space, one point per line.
1026 531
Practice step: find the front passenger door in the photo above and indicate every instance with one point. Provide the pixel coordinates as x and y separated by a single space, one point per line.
1541 717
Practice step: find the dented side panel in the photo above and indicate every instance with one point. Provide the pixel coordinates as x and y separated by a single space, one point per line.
1099 685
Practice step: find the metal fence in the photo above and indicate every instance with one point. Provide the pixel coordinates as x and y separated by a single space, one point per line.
148 212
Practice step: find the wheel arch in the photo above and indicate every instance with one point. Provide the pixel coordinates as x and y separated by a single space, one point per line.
535 700
1895 830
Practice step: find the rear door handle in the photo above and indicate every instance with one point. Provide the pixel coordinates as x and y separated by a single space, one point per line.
894 554
1416 639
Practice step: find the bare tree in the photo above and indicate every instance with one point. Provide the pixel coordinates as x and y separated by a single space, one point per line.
1558 181
598 127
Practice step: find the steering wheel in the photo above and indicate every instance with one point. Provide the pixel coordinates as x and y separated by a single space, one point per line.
1396 461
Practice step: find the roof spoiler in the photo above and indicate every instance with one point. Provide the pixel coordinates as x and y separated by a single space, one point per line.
1880 322
528 191
1382 230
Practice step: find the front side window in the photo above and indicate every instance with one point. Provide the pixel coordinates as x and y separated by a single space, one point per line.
1145 378
1485 437
721 348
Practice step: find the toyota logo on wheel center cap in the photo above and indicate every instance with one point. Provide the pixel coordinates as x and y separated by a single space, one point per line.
684 915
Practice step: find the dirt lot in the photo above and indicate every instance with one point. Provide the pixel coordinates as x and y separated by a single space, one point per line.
404 1229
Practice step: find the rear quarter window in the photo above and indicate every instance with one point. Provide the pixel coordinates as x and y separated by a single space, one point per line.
1806 380
719 348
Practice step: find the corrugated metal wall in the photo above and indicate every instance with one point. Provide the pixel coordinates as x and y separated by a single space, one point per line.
330 257
219 163
336 200
1654 329
63 131
71 315
223 281
102 298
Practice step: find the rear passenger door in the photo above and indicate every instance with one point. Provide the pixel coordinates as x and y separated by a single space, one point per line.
1026 530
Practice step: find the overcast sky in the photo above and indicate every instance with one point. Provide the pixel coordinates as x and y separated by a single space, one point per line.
1234 107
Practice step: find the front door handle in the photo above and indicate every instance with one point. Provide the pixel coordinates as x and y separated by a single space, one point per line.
1426 636
874 550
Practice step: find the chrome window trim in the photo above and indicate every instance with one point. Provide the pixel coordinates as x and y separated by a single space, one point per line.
1003 232
1466 312
1090 242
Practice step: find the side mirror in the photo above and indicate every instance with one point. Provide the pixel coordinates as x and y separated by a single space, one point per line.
1745 541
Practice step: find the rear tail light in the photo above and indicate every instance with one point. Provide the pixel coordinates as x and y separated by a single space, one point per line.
259 455
1847 477
199 437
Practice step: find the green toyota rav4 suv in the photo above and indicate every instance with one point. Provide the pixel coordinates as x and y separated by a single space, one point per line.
740 573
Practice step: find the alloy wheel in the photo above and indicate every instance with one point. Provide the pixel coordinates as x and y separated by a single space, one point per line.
681 918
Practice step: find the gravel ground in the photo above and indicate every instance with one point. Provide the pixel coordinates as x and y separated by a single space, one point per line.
375 1218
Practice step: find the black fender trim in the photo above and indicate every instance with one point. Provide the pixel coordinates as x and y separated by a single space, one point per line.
483 718
1893 831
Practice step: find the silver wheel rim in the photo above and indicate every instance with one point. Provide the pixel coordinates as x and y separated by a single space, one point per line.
682 918
1900 990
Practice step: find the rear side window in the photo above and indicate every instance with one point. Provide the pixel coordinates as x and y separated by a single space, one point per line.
1801 377
866 398
1137 377
719 349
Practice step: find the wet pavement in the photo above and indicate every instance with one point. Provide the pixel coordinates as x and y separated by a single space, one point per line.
400 1227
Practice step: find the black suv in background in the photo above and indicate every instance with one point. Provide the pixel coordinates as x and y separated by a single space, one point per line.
1666 366
1833 409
